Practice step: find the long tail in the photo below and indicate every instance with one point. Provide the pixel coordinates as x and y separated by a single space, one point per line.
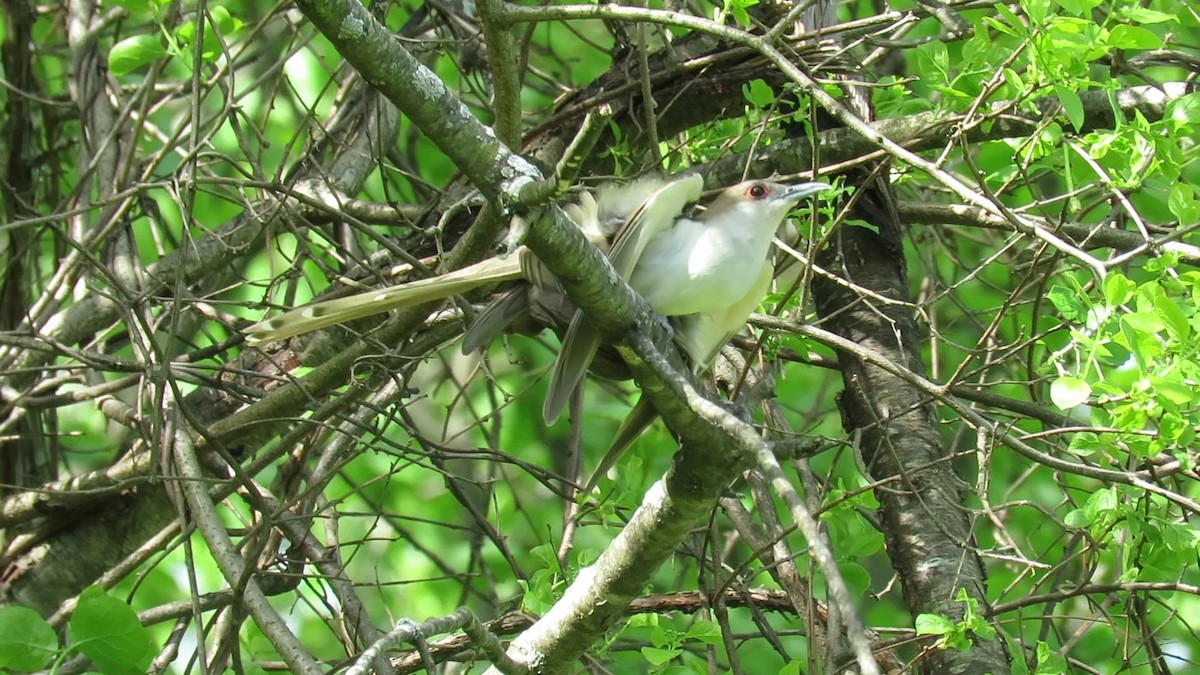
331 312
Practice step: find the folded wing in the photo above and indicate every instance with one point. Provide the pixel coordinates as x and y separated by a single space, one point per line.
657 213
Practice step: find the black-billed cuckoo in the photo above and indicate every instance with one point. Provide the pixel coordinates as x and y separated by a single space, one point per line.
707 272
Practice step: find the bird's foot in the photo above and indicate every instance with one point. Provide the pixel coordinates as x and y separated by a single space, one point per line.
518 229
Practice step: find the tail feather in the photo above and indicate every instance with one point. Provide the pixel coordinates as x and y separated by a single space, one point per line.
638 420
331 312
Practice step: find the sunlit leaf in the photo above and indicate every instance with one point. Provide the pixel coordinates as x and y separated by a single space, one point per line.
27 642
658 656
1124 36
1173 317
134 52
1072 106
1067 392
108 631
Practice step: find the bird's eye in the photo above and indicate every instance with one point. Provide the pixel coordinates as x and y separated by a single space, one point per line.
757 191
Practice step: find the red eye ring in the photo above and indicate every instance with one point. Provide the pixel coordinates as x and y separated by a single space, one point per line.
758 191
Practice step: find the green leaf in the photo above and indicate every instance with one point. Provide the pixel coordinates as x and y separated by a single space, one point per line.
1084 444
1014 80
982 629
108 632
1184 111
27 642
855 575
933 62
1179 538
644 620
1072 106
544 554
186 31
1118 289
1101 506
737 8
1037 10
1124 36
1049 662
1068 303
541 590
224 21
1078 519
658 656
933 624
132 53
1168 260
758 93
951 92
1005 28
1143 14
1173 317
1078 7
586 557
863 224
1183 204
864 541
1174 390
1147 323
704 631
792 668
1171 427
1014 24
1129 418
1069 391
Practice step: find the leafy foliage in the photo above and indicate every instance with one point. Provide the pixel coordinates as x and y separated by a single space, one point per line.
103 628
175 171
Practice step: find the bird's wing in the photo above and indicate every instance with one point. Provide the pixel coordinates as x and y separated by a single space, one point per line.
331 312
579 347
656 214
501 312
581 342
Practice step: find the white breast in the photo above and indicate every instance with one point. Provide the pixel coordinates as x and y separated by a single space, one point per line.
697 267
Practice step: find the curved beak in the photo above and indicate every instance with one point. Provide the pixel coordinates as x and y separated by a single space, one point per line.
802 190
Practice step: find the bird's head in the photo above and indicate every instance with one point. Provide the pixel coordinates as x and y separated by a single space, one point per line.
762 201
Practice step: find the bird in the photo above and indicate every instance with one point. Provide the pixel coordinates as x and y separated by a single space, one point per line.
340 310
705 272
